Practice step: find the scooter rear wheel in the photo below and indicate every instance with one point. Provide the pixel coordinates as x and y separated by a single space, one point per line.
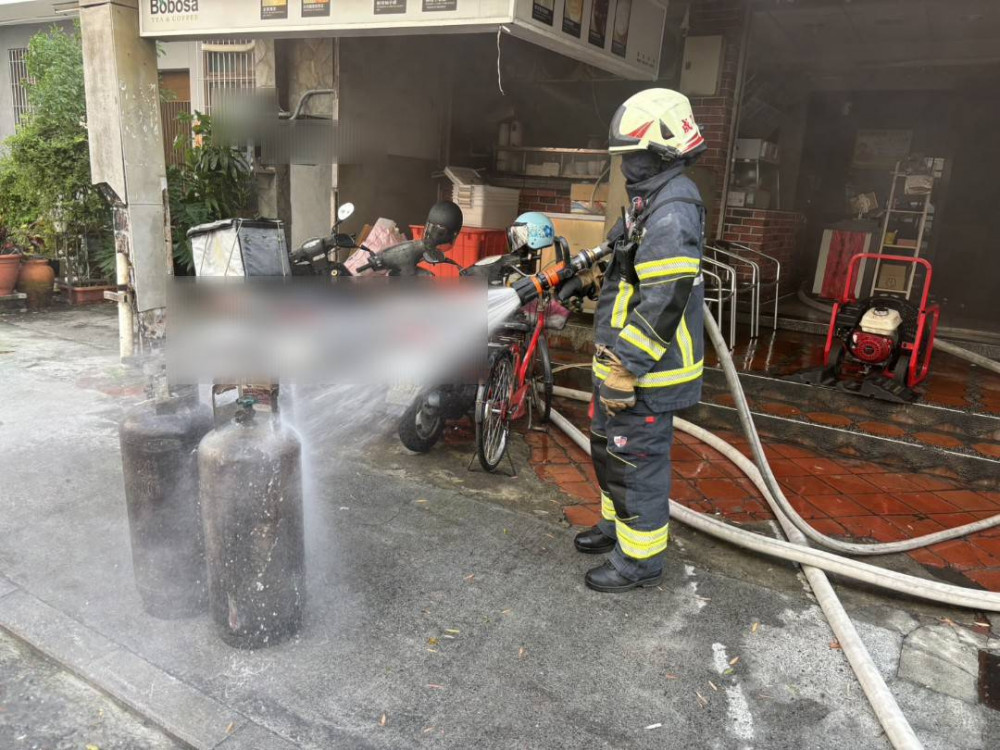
419 431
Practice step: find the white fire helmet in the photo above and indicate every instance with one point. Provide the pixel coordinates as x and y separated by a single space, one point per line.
657 120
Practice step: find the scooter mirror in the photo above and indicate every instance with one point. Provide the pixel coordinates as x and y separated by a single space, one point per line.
433 255
345 211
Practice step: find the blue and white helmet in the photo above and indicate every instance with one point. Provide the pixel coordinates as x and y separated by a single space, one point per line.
533 230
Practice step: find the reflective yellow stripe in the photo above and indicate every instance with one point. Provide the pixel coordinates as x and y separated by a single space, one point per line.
661 379
607 507
672 377
685 343
638 339
600 370
641 544
679 266
620 311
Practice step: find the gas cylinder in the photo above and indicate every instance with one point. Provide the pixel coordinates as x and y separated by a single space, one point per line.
251 503
159 441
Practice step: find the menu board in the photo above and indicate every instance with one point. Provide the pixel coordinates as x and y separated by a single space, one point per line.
273 9
543 10
315 8
572 17
624 37
383 7
598 23
619 32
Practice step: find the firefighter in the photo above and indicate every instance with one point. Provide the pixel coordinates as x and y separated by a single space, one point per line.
648 335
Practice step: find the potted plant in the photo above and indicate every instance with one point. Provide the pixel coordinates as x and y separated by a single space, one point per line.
10 262
37 277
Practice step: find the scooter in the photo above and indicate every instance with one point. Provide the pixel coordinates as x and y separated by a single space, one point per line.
317 256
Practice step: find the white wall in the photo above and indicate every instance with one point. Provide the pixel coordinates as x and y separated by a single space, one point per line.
177 55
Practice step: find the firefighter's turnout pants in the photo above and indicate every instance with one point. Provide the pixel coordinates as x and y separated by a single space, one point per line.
631 454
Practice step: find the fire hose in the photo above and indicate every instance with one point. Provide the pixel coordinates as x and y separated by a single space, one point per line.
816 563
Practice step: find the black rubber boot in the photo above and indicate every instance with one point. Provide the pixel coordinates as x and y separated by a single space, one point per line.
606 579
593 542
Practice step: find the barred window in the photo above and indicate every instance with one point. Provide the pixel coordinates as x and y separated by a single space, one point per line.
18 61
228 65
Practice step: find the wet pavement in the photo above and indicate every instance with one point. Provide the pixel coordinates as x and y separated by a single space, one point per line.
44 707
446 605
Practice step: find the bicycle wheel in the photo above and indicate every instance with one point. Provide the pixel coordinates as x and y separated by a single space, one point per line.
541 381
493 412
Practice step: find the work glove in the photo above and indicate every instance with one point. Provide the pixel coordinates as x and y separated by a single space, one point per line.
617 392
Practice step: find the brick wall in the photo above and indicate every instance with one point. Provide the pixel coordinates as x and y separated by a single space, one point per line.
549 200
776 233
714 114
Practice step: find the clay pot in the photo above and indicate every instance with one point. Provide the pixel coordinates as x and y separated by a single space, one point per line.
36 280
9 265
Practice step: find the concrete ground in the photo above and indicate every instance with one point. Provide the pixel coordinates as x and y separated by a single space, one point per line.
43 707
446 608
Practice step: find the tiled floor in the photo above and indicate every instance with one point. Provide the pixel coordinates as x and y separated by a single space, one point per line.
846 498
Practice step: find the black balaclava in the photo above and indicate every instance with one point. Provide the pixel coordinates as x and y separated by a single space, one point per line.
639 166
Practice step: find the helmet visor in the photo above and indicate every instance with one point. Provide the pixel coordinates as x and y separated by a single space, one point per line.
517 237
435 234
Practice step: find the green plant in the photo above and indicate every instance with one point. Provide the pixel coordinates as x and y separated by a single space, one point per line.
212 182
45 186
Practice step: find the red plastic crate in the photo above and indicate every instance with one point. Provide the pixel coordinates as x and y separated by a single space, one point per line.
471 245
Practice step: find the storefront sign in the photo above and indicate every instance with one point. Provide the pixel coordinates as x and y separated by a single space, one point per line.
575 28
315 8
880 149
270 9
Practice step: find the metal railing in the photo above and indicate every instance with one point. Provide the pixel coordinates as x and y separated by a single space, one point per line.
763 281
724 291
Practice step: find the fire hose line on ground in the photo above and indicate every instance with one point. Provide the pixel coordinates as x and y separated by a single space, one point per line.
814 561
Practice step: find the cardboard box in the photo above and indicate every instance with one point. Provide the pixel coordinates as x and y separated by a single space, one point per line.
579 196
892 277
581 233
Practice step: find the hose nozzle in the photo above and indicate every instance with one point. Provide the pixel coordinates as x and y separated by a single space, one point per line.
532 287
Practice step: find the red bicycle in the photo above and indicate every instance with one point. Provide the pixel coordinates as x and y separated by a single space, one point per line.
519 382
